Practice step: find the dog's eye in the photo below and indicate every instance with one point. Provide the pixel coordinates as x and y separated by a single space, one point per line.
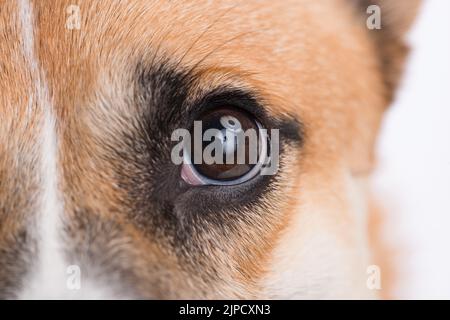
228 147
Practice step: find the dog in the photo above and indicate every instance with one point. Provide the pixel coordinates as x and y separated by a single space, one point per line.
91 203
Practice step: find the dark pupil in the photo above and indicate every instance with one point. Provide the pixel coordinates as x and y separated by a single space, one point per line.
228 120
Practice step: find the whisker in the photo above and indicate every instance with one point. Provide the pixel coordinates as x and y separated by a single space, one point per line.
223 44
208 28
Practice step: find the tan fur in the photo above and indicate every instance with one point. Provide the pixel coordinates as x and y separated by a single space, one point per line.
21 120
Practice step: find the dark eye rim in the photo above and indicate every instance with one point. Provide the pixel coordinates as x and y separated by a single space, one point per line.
232 97
247 101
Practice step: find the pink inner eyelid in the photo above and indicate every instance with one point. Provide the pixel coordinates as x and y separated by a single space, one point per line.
189 176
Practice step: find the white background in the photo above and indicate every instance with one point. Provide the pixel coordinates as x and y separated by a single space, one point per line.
413 177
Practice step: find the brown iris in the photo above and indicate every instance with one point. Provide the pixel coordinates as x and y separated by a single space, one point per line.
229 146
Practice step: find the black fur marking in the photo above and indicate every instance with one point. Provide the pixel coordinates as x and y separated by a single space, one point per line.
160 203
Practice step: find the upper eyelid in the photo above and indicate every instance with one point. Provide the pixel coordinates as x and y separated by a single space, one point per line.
231 96
168 97
290 127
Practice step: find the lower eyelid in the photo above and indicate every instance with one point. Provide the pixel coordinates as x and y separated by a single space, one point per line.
189 176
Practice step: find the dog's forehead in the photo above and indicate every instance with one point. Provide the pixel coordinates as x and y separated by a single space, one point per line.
269 46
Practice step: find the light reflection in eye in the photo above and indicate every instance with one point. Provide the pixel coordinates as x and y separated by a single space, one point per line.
233 154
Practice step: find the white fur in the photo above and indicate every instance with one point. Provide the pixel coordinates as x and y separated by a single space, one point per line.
49 277
317 259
